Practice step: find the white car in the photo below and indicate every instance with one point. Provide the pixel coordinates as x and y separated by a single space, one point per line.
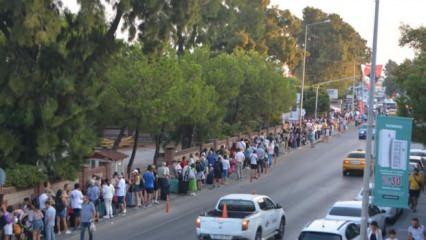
392 214
324 229
249 217
351 211
418 161
418 152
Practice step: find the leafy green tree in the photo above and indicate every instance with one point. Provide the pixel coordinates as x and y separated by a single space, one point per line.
390 82
50 63
332 48
411 77
309 98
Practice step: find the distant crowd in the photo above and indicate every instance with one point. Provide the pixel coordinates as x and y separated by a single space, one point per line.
78 207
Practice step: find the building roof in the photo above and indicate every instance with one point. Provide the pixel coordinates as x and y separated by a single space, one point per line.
109 155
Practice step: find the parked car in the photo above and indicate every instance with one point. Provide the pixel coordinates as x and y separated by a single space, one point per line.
392 214
362 132
330 230
417 160
248 217
351 211
418 152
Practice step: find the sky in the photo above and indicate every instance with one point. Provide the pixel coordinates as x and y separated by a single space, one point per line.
360 14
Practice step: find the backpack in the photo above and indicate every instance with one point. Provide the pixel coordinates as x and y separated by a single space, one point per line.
217 166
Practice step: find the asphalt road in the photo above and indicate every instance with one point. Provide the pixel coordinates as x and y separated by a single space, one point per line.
305 182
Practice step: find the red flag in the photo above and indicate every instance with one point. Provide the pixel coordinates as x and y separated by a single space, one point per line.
366 70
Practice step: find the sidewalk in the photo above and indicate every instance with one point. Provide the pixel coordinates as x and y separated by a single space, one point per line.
404 221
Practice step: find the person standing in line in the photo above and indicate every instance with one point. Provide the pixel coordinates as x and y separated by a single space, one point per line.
253 165
107 194
49 221
88 212
416 231
8 218
239 157
225 165
163 175
149 179
270 149
121 194
76 200
218 168
35 217
61 211
94 192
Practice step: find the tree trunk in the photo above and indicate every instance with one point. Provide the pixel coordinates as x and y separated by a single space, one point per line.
132 157
187 131
117 141
157 139
180 41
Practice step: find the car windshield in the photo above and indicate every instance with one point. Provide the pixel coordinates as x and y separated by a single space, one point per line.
345 211
356 155
319 236
237 205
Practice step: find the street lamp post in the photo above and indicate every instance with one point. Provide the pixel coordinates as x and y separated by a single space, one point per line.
366 179
304 67
316 102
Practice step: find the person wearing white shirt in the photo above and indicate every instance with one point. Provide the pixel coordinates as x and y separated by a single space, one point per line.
76 200
225 167
42 201
108 194
416 231
374 232
239 157
121 194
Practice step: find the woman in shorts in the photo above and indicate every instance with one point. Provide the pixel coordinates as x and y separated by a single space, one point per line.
36 219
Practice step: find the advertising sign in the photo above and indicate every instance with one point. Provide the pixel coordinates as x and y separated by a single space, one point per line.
332 93
393 138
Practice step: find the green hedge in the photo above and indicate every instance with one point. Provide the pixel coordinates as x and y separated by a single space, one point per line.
24 176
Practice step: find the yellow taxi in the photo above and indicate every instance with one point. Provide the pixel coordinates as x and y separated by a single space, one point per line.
354 162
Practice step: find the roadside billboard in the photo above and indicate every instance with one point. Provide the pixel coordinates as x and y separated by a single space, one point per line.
393 139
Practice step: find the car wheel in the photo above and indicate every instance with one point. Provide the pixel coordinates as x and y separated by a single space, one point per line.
258 234
281 230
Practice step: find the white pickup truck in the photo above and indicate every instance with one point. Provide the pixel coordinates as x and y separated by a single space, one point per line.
250 217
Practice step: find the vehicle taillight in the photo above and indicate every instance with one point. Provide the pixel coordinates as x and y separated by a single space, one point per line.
362 162
198 222
245 224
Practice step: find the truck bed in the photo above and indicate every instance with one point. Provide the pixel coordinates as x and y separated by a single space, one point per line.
231 214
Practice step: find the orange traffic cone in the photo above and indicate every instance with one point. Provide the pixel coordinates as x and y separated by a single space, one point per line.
167 204
225 211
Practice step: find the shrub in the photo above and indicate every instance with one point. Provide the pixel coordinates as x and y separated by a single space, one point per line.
24 176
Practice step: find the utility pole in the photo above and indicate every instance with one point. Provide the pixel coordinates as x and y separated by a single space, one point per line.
353 88
304 67
367 167
316 102
303 76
